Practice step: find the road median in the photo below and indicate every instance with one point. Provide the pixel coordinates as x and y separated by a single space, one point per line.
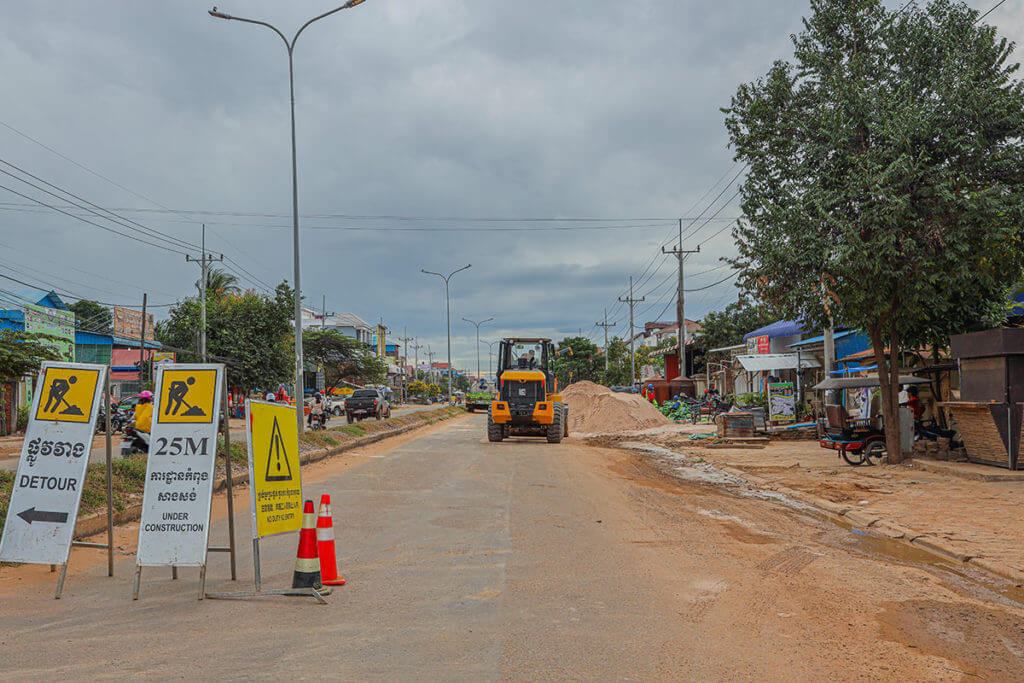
130 473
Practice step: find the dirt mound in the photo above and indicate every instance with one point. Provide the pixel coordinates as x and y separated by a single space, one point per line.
594 409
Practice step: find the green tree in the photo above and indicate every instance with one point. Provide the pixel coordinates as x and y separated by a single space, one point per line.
92 316
433 389
460 382
884 184
585 362
418 388
250 332
342 358
22 353
220 282
617 373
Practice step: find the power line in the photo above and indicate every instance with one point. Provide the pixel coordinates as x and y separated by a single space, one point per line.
85 220
997 6
120 220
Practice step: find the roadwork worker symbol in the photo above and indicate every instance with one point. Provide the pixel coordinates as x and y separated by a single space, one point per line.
187 396
67 394
278 468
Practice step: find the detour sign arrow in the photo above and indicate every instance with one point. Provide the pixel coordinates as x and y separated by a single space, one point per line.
33 515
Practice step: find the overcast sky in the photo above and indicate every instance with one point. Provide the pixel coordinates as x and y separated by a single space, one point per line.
435 110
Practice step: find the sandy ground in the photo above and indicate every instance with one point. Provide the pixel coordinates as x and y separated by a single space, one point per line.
982 517
468 560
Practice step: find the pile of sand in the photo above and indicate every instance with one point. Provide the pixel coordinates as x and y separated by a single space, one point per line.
594 409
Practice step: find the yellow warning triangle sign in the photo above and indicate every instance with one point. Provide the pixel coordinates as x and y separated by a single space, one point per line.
278 468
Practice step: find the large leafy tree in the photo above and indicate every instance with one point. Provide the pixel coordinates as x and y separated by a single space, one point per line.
250 332
92 316
220 282
342 358
885 176
583 363
21 353
617 373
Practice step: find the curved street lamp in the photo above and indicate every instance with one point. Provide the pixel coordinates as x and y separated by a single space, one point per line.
448 316
290 47
478 324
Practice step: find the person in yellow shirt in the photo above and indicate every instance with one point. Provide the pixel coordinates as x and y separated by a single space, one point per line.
144 412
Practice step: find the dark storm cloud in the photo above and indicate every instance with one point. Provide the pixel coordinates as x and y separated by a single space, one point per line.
422 108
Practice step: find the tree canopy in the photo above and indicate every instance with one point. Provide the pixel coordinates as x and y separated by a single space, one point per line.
584 363
92 317
342 358
884 175
250 332
22 353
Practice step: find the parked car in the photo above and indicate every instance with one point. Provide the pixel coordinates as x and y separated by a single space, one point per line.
366 403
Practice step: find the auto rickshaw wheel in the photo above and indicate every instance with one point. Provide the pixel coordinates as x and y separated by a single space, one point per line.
874 449
855 458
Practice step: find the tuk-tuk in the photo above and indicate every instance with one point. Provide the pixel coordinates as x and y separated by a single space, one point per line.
858 440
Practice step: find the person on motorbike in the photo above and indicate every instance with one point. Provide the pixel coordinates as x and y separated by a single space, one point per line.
144 412
316 409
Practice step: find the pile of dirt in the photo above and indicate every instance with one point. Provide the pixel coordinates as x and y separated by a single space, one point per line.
594 409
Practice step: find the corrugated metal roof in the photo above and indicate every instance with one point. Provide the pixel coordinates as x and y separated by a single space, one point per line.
765 362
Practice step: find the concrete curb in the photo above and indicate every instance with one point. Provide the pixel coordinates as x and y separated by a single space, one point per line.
96 522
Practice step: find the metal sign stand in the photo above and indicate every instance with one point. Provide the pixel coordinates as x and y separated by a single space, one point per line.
109 545
225 426
258 591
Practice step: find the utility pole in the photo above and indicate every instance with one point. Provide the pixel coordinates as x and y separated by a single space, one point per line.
632 354
204 280
416 368
142 342
681 301
405 339
323 319
606 325
430 367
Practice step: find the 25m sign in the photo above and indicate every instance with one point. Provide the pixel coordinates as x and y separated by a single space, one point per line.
174 528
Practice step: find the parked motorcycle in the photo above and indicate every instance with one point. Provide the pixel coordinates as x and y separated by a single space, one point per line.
930 430
134 442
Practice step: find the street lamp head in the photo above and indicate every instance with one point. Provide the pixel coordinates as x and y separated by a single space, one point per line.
219 15
352 3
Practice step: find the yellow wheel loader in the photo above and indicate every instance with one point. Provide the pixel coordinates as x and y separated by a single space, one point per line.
528 402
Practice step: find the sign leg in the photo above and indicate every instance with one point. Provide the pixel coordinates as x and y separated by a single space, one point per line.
228 478
174 573
63 575
202 581
138 579
110 489
256 562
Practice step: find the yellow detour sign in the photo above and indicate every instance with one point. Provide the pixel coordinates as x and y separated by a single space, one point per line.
274 468
67 394
187 396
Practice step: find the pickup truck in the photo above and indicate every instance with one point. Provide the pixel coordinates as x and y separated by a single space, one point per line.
479 400
366 403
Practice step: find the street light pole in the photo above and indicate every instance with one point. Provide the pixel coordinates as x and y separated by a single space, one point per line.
290 47
478 324
448 316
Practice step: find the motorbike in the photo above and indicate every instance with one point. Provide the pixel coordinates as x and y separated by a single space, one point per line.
318 422
930 430
134 442
117 422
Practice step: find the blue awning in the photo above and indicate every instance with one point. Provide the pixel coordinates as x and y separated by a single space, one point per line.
782 328
820 338
853 368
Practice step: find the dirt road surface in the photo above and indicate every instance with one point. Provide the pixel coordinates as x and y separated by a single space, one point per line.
468 560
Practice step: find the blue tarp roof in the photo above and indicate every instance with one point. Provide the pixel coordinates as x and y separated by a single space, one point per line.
820 338
782 328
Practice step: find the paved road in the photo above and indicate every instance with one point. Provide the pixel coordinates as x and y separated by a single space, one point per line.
468 560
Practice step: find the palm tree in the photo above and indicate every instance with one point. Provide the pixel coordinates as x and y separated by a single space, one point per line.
220 282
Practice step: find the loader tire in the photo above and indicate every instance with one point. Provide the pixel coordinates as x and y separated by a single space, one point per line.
495 432
556 428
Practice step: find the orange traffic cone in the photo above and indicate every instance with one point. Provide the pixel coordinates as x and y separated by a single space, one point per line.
307 561
325 544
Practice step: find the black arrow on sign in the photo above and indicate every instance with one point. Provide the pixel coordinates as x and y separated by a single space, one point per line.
33 515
